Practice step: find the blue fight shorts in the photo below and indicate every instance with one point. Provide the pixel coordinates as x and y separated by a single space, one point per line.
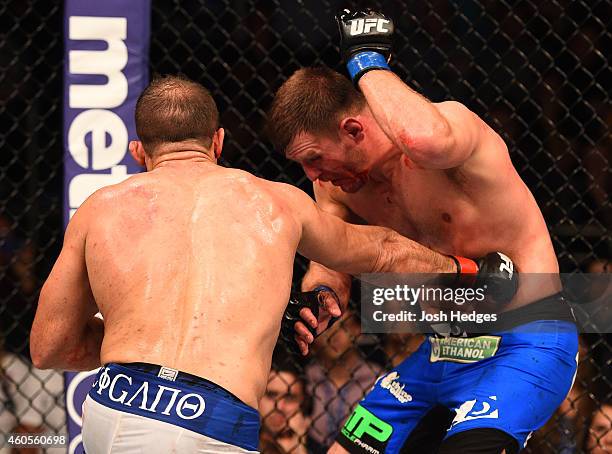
511 381
190 406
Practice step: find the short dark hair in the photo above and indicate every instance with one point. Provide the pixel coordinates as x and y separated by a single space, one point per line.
312 100
173 109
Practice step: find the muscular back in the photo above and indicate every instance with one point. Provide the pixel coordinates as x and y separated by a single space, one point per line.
192 270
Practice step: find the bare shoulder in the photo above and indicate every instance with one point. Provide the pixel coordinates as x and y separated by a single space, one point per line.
490 149
279 195
288 194
456 111
289 200
107 197
110 193
464 117
453 108
234 177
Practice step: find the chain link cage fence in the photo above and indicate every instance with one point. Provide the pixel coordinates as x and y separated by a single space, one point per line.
537 72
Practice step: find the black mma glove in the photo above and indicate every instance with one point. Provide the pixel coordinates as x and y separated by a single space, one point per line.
297 301
365 41
495 270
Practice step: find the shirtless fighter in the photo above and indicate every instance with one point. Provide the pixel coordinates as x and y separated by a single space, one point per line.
382 154
190 264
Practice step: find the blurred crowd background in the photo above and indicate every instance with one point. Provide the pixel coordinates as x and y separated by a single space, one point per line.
537 72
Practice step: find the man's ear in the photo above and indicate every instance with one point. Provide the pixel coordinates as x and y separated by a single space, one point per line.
137 151
217 142
352 129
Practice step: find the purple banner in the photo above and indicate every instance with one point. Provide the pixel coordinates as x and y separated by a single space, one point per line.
105 69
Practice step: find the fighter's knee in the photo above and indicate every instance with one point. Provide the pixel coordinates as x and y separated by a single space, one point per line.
337 449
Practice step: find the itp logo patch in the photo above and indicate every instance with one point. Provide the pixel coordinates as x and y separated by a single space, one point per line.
366 430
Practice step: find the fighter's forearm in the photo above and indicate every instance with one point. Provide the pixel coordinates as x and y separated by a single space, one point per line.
81 352
410 120
87 357
399 254
318 274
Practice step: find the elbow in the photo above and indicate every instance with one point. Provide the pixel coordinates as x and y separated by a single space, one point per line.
40 351
55 358
41 358
39 362
428 148
44 351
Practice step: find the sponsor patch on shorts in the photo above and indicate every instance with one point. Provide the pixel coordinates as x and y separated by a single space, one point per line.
391 383
367 431
167 373
463 349
476 409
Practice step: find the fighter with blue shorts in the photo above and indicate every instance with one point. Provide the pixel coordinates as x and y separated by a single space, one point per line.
379 153
476 394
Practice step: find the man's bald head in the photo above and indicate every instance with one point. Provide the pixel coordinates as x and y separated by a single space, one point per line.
175 109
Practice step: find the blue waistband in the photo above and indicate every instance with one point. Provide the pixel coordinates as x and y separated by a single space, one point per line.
204 408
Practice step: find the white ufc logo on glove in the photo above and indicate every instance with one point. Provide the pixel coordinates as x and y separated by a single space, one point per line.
359 26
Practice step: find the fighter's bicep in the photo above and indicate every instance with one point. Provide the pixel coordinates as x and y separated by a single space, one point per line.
321 233
325 238
68 280
341 246
488 151
467 132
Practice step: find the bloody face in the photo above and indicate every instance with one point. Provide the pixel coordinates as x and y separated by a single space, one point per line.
330 159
